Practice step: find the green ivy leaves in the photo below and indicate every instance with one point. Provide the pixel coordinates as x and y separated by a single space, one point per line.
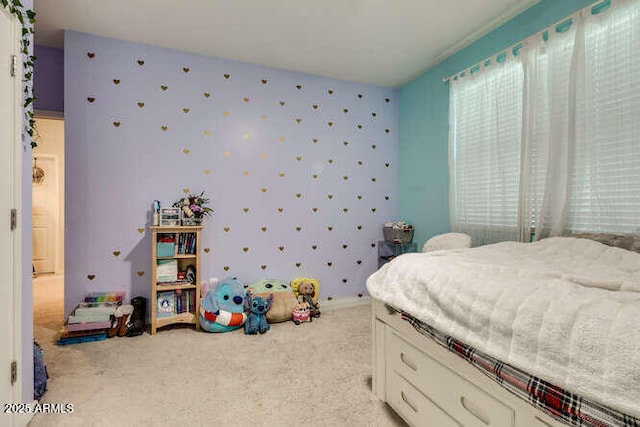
26 18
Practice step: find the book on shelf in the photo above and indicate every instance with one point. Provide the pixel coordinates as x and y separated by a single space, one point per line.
166 304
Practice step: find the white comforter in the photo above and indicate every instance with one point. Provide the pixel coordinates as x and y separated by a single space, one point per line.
564 309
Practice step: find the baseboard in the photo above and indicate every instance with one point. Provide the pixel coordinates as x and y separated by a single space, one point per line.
344 302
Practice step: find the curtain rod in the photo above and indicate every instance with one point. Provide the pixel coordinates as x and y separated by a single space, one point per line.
559 25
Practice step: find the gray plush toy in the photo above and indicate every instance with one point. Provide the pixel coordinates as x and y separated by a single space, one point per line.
257 320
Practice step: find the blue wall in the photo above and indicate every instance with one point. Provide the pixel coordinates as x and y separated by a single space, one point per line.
48 79
423 159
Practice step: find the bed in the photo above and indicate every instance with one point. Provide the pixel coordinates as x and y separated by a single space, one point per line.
510 334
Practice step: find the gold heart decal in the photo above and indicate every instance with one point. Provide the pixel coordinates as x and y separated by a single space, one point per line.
164 87
281 174
314 106
359 162
360 95
281 248
245 173
359 227
185 69
116 253
206 94
245 210
329 264
264 267
315 176
373 209
186 110
329 298
164 127
91 54
387 100
345 110
386 165
91 99
140 104
298 87
298 228
245 99
226 229
263 117
345 143
280 210
359 262
373 180
206 250
314 209
298 158
186 191
282 103
344 280
245 136
330 91
140 273
386 197
207 171
264 229
226 76
140 62
116 124
298 195
116 81
373 146
330 161
345 210
227 153
264 155
330 124
373 114
298 264
387 131
91 276
345 246
140 230
264 81
245 249
359 197
330 196
298 120
315 140
373 245
226 268
330 228
314 247
359 126
345 177
207 132
226 114
186 150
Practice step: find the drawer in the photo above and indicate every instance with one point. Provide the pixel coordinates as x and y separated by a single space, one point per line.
468 404
414 407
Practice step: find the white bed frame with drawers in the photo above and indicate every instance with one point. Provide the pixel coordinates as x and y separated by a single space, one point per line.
427 385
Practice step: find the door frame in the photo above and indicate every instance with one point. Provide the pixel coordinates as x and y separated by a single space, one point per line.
15 151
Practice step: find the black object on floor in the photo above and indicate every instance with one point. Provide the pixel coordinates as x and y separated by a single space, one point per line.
136 324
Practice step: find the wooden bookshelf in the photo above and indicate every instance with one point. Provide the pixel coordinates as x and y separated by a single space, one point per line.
186 252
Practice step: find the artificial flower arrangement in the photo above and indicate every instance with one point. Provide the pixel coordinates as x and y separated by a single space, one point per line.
194 207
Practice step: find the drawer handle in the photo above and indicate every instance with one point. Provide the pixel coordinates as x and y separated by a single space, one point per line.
406 400
407 362
474 410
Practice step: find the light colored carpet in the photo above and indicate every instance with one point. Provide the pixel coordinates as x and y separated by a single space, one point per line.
317 373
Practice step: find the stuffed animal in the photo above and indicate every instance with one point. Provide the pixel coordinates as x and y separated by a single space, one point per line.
257 320
308 290
222 306
301 312
283 298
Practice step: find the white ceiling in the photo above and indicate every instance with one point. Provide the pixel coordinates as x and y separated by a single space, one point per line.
382 42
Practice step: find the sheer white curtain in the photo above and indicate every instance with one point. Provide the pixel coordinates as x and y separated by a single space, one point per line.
549 141
485 160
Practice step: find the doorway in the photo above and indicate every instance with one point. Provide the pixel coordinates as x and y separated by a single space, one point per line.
48 226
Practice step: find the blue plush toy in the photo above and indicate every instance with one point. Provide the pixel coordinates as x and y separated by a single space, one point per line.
222 306
257 320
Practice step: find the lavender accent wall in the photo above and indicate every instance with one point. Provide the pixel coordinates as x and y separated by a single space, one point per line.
301 170
48 78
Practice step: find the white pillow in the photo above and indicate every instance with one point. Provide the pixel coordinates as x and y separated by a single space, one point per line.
447 241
